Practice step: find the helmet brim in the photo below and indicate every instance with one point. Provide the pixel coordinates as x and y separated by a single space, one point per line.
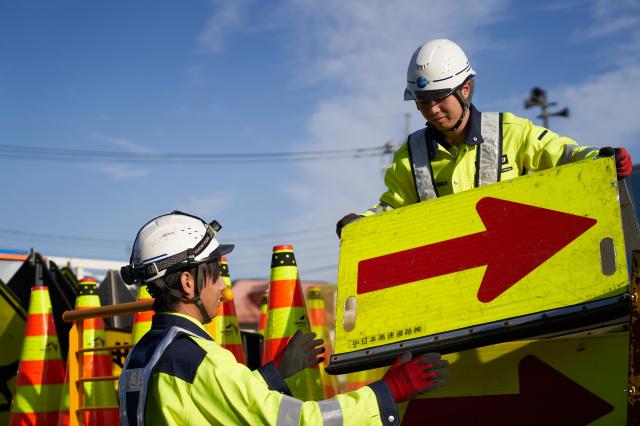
222 250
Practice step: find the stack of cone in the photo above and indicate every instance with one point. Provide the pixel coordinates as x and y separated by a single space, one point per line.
315 305
40 377
95 363
287 314
141 320
227 330
262 323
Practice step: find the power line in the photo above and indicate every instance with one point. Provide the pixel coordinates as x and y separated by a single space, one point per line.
64 154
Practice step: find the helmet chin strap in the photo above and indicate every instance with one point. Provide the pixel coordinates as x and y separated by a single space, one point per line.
206 318
465 108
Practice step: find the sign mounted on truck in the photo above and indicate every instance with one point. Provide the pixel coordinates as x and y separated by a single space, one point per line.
537 254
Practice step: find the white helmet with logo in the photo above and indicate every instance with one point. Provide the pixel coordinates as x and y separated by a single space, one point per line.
172 242
437 69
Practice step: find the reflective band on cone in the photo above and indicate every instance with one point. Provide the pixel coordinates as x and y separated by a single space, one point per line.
96 363
317 318
40 375
354 381
227 330
287 314
141 320
262 323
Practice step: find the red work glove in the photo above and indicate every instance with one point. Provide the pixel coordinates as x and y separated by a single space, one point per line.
301 352
623 160
407 378
351 217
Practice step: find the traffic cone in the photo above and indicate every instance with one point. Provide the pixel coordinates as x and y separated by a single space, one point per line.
63 418
227 329
287 314
315 306
358 379
141 320
96 363
40 376
262 323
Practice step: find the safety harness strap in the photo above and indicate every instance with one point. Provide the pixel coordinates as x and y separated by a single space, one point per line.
422 173
487 158
489 151
134 383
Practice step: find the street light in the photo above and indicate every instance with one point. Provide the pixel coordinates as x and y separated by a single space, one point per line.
538 97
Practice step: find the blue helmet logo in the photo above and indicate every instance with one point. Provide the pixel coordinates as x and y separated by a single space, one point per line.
422 82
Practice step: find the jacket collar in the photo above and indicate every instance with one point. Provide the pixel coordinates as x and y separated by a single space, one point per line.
165 320
473 136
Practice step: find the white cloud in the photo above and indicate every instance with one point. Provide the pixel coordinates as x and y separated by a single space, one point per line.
125 143
205 206
604 110
122 171
227 15
361 49
119 171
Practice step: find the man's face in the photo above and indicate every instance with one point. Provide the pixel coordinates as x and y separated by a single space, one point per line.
211 294
443 114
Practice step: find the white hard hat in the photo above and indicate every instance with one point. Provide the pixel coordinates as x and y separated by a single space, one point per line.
172 242
436 70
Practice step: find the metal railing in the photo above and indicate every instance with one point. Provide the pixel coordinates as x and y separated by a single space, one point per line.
77 380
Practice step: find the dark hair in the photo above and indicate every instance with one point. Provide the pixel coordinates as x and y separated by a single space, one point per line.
166 302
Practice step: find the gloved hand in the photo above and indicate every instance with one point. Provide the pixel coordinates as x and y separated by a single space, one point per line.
301 352
623 160
407 377
351 217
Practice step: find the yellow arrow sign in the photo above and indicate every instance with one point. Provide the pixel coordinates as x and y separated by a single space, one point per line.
568 380
536 243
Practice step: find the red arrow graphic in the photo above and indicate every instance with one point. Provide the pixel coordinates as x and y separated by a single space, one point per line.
518 239
547 397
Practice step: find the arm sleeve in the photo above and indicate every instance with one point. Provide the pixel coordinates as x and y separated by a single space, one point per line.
229 393
401 188
543 149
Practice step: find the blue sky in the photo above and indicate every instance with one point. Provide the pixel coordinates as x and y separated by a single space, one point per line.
245 76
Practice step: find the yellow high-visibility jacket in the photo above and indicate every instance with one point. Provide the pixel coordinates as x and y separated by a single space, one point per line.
497 147
177 375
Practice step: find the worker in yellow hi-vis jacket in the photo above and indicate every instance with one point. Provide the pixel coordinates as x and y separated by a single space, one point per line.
177 375
462 148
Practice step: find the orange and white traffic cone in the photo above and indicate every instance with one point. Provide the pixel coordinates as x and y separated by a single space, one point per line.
141 320
262 322
40 377
317 317
227 329
287 314
96 363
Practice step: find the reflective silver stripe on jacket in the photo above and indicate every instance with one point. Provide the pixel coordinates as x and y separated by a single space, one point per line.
331 412
422 173
291 409
289 412
568 155
380 207
489 149
137 379
488 152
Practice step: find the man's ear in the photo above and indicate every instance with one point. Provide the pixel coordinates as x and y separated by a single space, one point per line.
466 89
187 283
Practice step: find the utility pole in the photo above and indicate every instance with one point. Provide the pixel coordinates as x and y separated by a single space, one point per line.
538 97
